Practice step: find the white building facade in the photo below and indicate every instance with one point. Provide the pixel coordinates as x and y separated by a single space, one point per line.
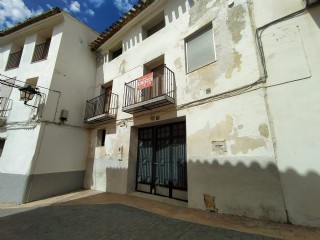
210 102
221 134
44 147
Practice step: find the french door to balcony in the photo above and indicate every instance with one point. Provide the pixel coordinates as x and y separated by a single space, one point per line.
162 164
157 86
108 92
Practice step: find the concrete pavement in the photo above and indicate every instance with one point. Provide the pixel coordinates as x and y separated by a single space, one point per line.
96 215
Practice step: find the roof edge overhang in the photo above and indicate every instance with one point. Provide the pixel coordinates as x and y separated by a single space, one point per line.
30 21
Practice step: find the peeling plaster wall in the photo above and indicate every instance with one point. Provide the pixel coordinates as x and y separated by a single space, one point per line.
236 63
107 167
292 58
231 42
243 179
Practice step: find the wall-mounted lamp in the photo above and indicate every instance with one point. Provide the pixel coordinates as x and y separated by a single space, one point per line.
27 93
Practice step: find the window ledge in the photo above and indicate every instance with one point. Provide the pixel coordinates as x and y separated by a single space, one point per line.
8 69
41 60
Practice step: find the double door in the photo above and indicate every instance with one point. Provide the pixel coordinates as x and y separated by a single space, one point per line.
162 163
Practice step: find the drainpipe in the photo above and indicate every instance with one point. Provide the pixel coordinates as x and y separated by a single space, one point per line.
259 43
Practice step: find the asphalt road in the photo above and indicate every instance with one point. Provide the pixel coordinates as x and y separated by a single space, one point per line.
103 221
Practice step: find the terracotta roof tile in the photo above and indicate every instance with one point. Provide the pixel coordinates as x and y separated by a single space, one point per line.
115 27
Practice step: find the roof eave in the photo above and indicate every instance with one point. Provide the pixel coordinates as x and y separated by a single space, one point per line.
118 25
30 21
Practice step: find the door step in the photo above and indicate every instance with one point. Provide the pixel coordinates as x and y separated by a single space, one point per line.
161 199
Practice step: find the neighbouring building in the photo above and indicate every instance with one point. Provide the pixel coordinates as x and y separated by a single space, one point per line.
210 102
44 148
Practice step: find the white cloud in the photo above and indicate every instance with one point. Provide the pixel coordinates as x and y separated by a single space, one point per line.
14 11
75 6
8 24
124 5
97 3
49 6
89 12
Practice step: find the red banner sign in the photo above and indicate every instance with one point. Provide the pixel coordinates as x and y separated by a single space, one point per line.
145 81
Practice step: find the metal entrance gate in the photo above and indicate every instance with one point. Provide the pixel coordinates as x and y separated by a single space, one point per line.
162 164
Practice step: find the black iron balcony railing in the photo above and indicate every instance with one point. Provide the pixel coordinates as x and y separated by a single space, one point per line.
14 60
41 51
153 90
101 108
5 107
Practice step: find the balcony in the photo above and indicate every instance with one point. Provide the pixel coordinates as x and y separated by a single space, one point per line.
150 91
14 60
5 107
102 108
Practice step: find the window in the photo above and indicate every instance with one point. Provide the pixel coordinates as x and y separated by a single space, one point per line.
154 25
32 82
200 49
107 99
116 53
2 142
156 28
41 51
15 54
14 60
101 136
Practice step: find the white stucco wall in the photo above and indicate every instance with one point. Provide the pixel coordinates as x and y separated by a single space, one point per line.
269 169
292 56
169 41
20 131
244 179
19 150
60 152
74 71
48 147
248 168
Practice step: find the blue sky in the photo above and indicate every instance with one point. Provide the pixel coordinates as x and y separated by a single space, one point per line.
98 14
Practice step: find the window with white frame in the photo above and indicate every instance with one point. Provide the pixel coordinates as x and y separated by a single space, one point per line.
200 49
